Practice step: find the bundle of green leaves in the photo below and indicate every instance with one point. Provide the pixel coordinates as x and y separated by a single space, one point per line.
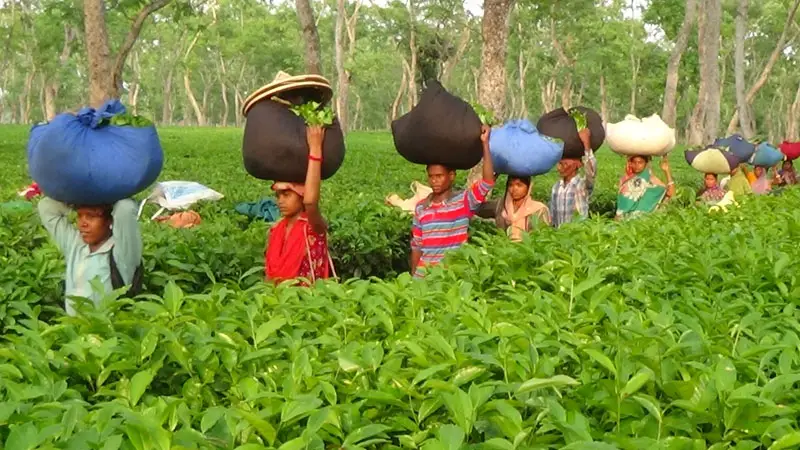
314 114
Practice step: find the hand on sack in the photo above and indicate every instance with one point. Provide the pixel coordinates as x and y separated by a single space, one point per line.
586 138
485 131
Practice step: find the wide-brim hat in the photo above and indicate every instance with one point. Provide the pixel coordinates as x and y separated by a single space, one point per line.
316 88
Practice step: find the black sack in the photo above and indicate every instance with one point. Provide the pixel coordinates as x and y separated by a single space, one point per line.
559 124
441 129
274 145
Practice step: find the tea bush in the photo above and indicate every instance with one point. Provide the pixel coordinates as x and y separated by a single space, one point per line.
675 331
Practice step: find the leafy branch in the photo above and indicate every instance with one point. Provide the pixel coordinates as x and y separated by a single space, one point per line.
486 116
314 114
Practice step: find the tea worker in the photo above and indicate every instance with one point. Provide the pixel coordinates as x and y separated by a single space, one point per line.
441 221
569 197
639 190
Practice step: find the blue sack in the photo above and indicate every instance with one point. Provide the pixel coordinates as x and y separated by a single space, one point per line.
766 155
737 145
83 159
519 150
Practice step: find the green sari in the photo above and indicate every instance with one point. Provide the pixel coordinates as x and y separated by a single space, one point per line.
638 195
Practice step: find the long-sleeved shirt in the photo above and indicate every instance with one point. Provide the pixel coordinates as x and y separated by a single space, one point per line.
571 198
442 227
83 265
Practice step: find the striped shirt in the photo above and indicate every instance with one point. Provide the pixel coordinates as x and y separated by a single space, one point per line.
572 198
442 227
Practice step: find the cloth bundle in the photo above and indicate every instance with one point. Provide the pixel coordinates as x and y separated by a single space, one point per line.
717 160
95 157
766 155
560 124
518 149
633 136
791 150
440 129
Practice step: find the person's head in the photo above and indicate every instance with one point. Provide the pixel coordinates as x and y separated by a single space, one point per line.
290 198
787 165
94 224
518 187
710 180
568 168
440 178
759 171
638 164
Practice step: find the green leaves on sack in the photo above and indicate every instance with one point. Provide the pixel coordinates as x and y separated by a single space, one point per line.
314 114
486 116
579 117
130 120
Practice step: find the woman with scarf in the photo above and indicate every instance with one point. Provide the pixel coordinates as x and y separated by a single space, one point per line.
639 190
711 192
297 247
788 177
517 213
762 185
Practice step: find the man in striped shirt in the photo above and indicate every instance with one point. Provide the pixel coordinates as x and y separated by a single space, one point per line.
569 197
441 221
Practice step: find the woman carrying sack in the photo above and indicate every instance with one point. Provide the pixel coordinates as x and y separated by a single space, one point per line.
517 213
639 190
297 247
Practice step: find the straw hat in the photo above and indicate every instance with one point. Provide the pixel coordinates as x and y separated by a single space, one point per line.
284 83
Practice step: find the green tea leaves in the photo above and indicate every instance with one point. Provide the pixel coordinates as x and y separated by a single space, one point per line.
314 114
557 381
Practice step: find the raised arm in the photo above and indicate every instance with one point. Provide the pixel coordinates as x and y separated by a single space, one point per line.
668 172
488 168
416 243
54 215
589 160
126 232
315 136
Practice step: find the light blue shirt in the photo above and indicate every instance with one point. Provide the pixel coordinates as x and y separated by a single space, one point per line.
83 265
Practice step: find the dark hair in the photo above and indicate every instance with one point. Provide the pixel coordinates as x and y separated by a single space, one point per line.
107 209
447 168
525 180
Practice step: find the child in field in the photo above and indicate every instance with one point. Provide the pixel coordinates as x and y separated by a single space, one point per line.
517 212
639 190
441 221
106 245
297 246
787 174
569 197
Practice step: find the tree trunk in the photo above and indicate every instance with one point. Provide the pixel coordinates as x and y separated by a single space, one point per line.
603 99
636 63
166 111
342 82
793 124
549 95
412 46
566 92
305 14
223 89
741 96
451 63
697 122
673 67
101 81
187 83
713 27
522 66
492 84
780 46
399 96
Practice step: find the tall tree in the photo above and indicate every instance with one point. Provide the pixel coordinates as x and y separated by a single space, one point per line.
668 114
492 81
780 46
305 14
742 107
713 11
105 71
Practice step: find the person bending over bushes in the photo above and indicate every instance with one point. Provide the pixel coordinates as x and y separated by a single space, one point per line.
297 247
106 245
441 221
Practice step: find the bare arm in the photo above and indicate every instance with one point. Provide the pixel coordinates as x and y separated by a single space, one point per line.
488 168
416 243
414 260
668 172
315 137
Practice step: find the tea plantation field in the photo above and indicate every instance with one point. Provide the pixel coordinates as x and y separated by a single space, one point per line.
677 331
